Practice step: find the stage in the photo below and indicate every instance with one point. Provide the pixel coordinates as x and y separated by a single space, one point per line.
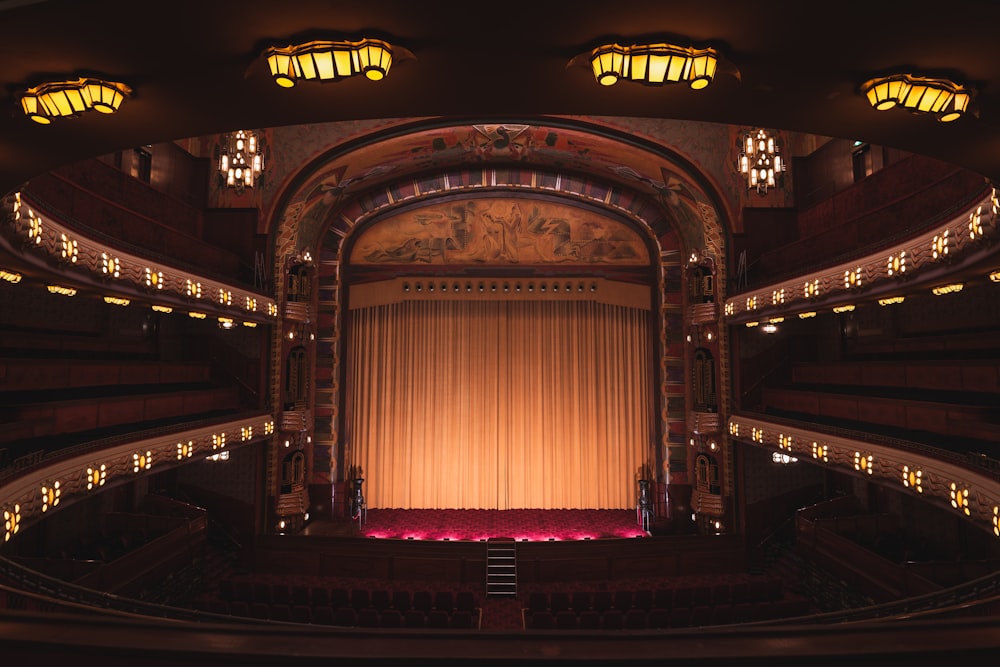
450 548
533 525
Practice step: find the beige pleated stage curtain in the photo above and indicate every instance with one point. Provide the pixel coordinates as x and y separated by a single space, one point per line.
499 404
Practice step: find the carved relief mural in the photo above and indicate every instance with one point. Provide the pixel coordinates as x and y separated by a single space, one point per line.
502 230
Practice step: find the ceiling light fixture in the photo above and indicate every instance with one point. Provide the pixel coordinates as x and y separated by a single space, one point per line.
241 159
945 99
67 99
760 160
652 64
332 60
608 63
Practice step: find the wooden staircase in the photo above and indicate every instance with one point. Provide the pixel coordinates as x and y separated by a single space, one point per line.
501 567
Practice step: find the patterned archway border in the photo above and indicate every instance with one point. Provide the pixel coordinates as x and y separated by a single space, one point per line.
343 194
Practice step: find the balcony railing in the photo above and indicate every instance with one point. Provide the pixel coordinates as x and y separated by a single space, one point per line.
703 313
297 311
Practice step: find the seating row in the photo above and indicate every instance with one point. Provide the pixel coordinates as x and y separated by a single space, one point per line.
659 618
381 599
369 617
31 374
755 590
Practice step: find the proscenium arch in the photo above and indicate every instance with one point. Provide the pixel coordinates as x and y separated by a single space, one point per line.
649 167
672 204
504 284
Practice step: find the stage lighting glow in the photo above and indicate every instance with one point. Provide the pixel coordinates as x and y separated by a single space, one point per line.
473 525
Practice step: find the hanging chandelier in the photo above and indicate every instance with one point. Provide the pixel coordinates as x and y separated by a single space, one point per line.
760 161
241 159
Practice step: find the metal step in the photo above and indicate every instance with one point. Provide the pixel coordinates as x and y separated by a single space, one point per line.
501 567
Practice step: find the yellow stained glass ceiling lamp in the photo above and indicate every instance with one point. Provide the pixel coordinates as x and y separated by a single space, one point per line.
653 64
945 99
67 99
322 60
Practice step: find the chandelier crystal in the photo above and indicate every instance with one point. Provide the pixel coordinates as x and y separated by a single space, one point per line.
241 159
760 161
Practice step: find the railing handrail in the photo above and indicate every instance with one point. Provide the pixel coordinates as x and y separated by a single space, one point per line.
44 206
966 591
973 460
42 457
862 250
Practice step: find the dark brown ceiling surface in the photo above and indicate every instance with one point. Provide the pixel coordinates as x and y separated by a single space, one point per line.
196 69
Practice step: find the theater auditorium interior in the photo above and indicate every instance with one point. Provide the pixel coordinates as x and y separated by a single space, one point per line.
442 333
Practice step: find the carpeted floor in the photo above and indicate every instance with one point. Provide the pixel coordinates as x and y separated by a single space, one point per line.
502 613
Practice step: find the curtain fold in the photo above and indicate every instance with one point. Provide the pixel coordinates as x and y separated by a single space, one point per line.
498 404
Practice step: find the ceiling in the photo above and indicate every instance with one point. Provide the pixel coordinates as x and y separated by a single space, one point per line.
196 69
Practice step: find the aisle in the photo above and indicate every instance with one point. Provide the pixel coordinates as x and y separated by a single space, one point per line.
502 613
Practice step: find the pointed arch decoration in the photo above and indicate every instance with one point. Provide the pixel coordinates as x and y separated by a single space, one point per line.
659 197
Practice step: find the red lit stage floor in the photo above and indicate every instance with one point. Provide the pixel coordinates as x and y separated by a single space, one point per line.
520 524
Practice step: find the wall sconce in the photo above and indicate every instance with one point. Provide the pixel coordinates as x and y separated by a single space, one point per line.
651 64
783 459
241 159
62 291
11 521
332 61
948 289
760 160
96 476
67 99
941 97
